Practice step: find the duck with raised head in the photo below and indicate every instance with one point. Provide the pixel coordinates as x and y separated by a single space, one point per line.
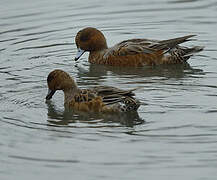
96 99
133 52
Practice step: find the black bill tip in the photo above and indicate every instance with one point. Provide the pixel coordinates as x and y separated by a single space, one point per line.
50 94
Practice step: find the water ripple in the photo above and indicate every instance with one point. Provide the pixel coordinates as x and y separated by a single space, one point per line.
175 127
43 160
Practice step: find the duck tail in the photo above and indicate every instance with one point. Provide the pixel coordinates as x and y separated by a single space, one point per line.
181 54
186 52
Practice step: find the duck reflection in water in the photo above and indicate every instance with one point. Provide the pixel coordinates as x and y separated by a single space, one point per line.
99 72
69 117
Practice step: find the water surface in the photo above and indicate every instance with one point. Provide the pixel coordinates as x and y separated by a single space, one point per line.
174 133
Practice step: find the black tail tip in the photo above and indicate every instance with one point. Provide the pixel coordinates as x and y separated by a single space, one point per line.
199 48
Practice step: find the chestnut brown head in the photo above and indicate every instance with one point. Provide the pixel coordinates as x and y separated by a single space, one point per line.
59 80
89 39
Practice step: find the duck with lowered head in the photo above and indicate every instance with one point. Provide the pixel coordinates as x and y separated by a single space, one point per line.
97 99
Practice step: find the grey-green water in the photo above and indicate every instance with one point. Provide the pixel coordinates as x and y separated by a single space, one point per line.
174 134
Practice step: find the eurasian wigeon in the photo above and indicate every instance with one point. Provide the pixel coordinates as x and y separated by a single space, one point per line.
97 99
133 52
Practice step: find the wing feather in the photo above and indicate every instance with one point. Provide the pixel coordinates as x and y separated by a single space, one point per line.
146 46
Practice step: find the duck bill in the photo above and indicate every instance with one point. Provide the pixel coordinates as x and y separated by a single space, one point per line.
50 94
79 54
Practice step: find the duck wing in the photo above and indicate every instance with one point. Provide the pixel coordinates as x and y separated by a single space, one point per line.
111 95
171 43
146 46
130 47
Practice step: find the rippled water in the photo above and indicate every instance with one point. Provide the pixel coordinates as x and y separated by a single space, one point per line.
174 134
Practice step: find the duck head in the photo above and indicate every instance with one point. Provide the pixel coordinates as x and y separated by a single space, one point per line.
59 80
89 39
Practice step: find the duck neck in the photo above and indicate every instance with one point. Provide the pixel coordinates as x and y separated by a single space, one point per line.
69 94
105 46
97 56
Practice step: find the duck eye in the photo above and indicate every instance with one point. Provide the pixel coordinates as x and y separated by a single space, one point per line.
50 78
84 37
